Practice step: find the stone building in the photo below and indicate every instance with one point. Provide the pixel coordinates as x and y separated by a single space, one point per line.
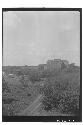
56 64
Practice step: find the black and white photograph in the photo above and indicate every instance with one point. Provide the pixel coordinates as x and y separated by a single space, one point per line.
41 70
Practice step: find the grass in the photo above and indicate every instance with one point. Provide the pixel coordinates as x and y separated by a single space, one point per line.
60 91
19 97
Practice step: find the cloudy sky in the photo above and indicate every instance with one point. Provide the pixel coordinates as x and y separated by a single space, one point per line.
33 37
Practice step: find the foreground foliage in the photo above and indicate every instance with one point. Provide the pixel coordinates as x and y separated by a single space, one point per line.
60 89
62 93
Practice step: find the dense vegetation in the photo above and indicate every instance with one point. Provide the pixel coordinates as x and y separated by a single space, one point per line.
17 97
61 89
62 93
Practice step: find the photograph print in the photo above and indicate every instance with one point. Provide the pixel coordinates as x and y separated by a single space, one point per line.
42 63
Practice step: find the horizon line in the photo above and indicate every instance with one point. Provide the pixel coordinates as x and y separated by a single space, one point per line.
44 63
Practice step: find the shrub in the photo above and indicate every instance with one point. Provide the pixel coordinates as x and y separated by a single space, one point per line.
70 101
8 110
5 87
61 95
34 76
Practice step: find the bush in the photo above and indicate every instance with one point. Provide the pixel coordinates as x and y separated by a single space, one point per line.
8 110
34 76
61 95
70 101
5 87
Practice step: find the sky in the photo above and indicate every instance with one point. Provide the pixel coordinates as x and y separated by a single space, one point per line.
33 37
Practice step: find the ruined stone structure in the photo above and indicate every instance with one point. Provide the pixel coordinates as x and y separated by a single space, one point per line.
56 64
